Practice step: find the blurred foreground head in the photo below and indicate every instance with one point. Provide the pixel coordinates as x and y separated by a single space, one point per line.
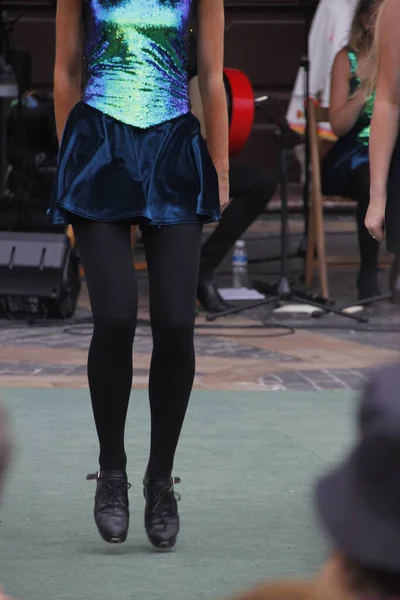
4 448
292 590
359 500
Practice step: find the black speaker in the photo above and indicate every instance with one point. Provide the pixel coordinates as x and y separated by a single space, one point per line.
39 274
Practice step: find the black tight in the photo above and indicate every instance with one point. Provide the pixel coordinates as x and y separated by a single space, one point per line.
358 189
354 184
172 254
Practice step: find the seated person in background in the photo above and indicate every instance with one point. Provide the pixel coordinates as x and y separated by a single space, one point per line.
251 188
329 32
345 170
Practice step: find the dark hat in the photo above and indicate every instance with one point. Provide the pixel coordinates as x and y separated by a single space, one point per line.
359 501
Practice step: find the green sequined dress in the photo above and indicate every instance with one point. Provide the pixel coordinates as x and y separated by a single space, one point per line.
351 150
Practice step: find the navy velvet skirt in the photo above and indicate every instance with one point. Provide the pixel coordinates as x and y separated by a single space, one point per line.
110 171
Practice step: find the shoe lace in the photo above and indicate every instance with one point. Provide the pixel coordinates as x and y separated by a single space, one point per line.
113 490
163 503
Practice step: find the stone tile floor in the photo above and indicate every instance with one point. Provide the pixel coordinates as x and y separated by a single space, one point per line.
294 352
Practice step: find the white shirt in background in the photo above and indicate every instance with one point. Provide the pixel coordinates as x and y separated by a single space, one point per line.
329 33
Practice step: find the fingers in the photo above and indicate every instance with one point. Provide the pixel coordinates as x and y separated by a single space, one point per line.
376 234
375 225
224 198
224 203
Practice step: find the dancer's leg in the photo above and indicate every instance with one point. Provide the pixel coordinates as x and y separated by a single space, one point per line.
173 255
106 255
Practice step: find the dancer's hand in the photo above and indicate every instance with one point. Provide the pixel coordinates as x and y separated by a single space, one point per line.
223 184
375 219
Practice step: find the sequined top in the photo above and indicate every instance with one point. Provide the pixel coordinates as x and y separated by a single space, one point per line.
362 129
136 59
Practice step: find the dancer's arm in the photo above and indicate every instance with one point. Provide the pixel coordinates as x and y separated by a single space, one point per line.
385 119
68 65
210 47
343 111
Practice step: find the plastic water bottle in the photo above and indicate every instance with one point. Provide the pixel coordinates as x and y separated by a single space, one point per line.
239 266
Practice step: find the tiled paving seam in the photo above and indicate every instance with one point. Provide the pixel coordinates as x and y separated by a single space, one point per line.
312 380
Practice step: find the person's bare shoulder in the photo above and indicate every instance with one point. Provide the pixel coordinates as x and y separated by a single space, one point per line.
390 15
390 4
388 26
341 64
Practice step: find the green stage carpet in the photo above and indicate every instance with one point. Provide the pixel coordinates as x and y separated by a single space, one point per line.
247 461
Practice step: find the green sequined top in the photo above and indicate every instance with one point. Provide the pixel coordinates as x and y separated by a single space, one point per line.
362 129
136 59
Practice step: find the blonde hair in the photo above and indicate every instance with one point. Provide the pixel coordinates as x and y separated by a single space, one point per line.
370 83
362 38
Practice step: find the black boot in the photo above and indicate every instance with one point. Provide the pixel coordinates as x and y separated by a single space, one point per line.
209 296
367 282
161 518
111 505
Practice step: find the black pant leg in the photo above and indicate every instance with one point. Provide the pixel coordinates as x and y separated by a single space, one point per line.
359 186
251 189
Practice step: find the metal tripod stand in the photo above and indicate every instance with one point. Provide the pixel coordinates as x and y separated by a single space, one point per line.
307 8
283 290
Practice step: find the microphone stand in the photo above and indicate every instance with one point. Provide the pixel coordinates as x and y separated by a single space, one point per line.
283 290
301 252
305 64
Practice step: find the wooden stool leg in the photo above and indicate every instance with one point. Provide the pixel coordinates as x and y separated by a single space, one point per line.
310 258
320 243
71 236
139 265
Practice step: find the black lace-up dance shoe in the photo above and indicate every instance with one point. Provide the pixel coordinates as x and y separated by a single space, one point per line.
111 505
161 518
